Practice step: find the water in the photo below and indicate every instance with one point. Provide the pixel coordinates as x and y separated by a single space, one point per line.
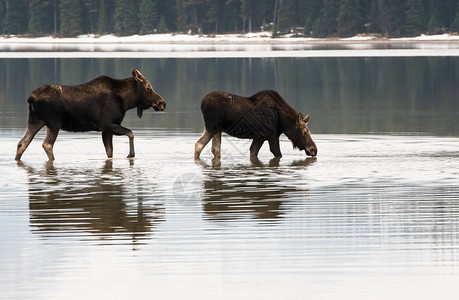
375 215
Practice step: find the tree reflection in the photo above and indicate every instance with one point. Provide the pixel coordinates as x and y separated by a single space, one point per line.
342 94
72 202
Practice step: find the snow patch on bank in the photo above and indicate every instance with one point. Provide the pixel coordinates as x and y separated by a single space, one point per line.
248 38
426 38
141 39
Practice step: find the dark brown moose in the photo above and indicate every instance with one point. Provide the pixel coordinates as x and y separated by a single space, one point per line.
98 105
261 117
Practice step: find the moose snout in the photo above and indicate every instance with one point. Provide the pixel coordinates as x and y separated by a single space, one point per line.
160 106
311 151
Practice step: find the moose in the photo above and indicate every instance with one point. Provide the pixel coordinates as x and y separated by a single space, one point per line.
98 105
261 117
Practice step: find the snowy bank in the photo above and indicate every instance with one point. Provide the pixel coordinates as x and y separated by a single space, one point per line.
168 38
427 38
248 38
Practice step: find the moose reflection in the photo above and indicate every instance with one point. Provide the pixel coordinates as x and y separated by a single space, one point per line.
74 202
255 192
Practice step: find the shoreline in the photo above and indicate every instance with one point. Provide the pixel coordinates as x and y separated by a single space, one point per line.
259 38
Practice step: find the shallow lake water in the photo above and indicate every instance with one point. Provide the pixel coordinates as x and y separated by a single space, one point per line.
374 216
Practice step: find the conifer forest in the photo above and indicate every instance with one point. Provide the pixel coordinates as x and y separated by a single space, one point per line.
310 18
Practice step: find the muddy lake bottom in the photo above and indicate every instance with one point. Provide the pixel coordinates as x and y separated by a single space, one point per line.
374 216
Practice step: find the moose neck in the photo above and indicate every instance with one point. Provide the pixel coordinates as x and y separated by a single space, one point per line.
288 117
127 93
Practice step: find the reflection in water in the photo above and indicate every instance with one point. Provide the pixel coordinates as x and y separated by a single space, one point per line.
221 46
257 191
374 216
66 202
343 95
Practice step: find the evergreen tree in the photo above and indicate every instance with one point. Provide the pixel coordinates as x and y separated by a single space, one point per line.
387 17
310 10
396 16
265 11
448 9
441 15
233 15
162 26
2 16
455 24
196 9
166 9
90 15
181 21
215 15
126 17
71 12
326 24
148 16
434 24
247 12
286 15
256 14
350 21
190 14
414 17
15 17
104 18
320 18
365 6
372 18
41 16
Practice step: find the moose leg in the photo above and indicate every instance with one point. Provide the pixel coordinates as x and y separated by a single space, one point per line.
120 130
201 143
107 138
48 143
32 128
131 144
274 146
255 147
217 144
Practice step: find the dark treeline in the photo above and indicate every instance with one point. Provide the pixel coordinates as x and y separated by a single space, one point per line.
316 18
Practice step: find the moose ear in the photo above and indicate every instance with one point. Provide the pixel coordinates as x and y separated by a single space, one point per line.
136 74
306 119
299 118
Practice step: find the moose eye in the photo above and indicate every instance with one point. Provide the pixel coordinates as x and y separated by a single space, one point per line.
149 90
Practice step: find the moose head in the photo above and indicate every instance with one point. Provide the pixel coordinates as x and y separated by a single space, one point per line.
301 137
147 96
